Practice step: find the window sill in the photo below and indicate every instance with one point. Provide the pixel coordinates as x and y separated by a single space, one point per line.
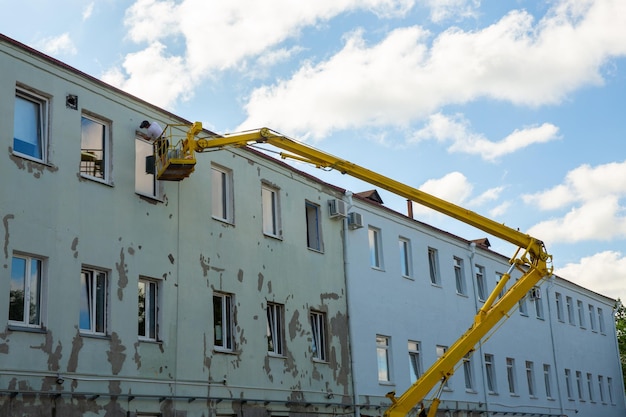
276 355
150 341
315 250
462 295
408 277
16 327
30 158
150 198
320 361
387 383
471 391
224 351
226 222
96 179
95 336
274 237
493 393
377 268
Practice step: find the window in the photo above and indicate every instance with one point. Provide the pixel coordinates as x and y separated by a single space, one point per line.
490 373
559 306
275 326
30 125
570 310
538 308
467 372
590 387
510 375
25 299
459 275
318 329
481 285
223 338
382 356
313 226
93 301
547 380
601 320
440 351
592 317
94 148
609 385
271 214
222 194
530 378
579 385
376 250
415 363
523 307
148 302
503 290
433 266
601 388
405 257
581 313
145 178
568 384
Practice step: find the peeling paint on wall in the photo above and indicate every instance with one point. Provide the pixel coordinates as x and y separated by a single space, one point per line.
74 246
53 357
5 222
4 347
115 354
77 344
32 167
122 270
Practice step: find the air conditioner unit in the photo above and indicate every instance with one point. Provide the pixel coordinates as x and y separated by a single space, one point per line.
535 293
337 208
355 220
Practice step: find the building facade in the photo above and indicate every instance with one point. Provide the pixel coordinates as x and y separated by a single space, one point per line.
413 290
237 292
223 294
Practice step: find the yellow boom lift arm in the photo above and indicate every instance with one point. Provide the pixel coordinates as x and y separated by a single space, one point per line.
531 258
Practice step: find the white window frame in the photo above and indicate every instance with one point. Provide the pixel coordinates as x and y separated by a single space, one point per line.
383 358
559 307
143 179
481 282
568 384
98 316
270 203
96 169
609 385
579 386
222 196
43 106
569 304
275 329
511 376
490 373
530 379
31 289
374 236
151 309
601 388
590 389
592 318
547 379
581 313
406 261
313 226
223 322
601 321
415 360
440 350
318 332
433 266
459 275
468 373
539 308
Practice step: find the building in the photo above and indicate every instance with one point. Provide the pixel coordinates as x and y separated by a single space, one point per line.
237 291
414 289
223 294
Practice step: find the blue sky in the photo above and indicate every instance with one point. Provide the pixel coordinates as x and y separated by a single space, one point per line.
512 109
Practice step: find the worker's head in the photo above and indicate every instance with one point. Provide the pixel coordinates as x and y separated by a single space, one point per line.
144 124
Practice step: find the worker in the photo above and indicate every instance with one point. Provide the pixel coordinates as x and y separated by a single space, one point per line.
422 412
154 130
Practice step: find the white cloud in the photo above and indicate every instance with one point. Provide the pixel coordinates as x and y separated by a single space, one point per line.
217 36
457 130
601 272
453 187
491 194
59 45
405 78
88 11
447 9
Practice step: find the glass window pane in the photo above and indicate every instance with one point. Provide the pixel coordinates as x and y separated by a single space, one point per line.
17 292
27 127
85 301
141 302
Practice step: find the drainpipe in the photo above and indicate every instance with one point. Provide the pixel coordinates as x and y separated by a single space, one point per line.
346 274
554 356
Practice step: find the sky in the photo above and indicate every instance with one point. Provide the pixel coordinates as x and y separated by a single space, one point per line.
512 109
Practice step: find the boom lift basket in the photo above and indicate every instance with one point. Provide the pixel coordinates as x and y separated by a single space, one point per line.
174 154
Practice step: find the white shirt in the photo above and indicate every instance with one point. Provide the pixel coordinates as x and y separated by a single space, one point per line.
154 130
